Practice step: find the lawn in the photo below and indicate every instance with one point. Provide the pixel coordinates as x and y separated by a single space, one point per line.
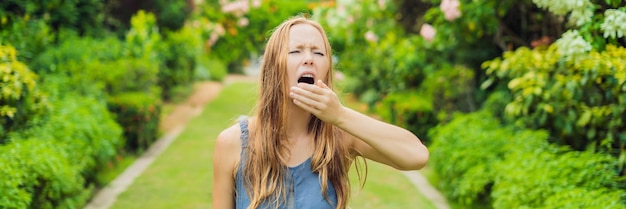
181 177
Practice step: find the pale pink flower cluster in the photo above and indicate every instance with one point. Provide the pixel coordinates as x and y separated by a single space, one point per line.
256 3
371 36
212 40
339 76
238 8
428 32
243 22
382 4
218 30
450 9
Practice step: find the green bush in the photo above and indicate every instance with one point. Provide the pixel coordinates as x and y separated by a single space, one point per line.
79 63
38 174
20 97
78 49
179 52
411 110
109 69
533 178
506 167
581 102
143 37
210 68
29 36
465 153
85 16
138 113
170 15
129 75
93 66
452 89
90 136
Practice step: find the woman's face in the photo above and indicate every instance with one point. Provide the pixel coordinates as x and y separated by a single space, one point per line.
307 54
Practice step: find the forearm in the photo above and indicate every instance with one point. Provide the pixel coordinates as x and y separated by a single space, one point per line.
401 148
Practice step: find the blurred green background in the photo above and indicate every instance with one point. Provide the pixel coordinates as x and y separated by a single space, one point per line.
521 102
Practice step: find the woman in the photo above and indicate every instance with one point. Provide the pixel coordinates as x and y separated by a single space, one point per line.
295 152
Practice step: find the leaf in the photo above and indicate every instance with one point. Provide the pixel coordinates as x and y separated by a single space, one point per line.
514 83
548 108
591 134
486 84
584 118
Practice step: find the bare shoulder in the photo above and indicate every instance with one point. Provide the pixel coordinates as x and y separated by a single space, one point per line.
225 159
229 140
227 149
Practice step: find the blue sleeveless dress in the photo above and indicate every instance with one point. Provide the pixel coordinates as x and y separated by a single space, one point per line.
304 188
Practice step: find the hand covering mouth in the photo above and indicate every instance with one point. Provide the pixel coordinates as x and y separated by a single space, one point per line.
307 78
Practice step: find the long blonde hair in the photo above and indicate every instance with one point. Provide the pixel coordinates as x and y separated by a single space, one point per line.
264 169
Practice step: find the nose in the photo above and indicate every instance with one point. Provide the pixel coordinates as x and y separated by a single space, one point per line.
308 58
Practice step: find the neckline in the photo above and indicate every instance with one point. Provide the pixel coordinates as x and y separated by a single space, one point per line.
300 165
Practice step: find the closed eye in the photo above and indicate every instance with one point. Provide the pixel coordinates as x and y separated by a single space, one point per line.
319 53
294 52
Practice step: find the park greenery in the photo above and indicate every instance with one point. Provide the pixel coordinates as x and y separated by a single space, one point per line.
522 103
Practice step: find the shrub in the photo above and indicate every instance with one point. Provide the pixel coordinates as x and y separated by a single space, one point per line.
129 75
138 113
89 134
170 15
30 37
143 37
506 167
452 89
37 174
108 74
539 179
581 102
20 97
210 68
83 50
85 16
80 64
179 52
465 152
411 110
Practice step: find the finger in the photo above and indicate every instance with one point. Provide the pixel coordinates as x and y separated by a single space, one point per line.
306 99
306 93
306 107
308 90
311 87
321 84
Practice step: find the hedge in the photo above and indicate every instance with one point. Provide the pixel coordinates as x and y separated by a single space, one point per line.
507 167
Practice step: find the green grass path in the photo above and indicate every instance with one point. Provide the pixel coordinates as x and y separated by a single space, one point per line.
181 177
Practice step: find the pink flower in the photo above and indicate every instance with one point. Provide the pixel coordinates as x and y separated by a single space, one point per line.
450 9
339 76
243 22
341 9
238 7
195 24
428 32
350 19
382 4
219 29
212 40
256 3
371 36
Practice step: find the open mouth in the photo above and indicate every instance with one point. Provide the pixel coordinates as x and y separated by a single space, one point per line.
307 78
